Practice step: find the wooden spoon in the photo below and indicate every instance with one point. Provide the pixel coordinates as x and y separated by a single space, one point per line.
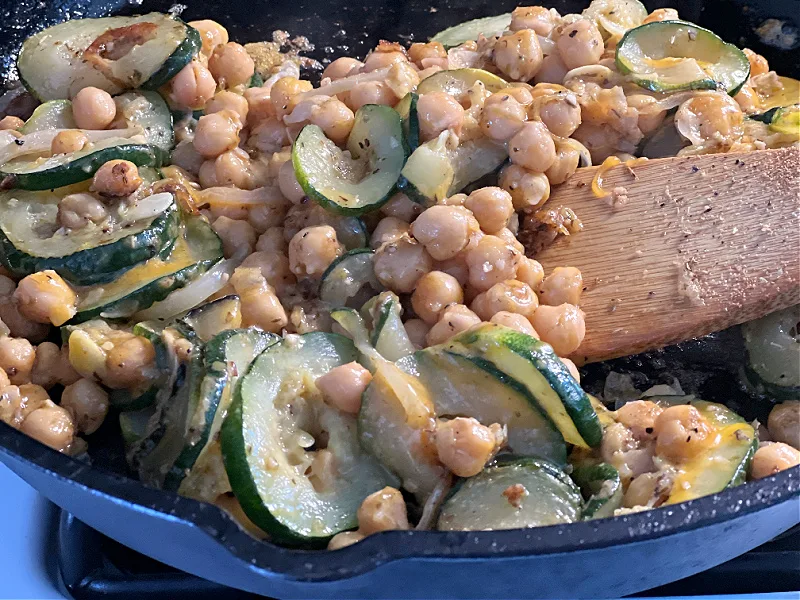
701 243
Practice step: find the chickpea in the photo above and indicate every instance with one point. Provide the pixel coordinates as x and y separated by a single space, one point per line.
313 249
399 265
521 92
620 449
88 404
371 92
272 241
784 423
342 386
518 55
231 65
44 297
285 94
268 215
532 147
416 329
186 157
747 99
11 123
401 207
93 108
269 136
641 491
19 326
454 319
50 367
528 190
492 207
444 230
274 267
382 511
564 284
212 34
510 239
116 178
192 87
422 54
681 432
438 112
335 119
464 445
502 116
566 163
560 112
772 458
128 363
389 229
259 105
231 168
530 271
662 14
17 402
510 296
380 60
345 538
67 141
238 237
553 70
78 210
433 293
226 100
649 120
537 18
457 267
260 305
514 321
288 184
580 44
491 261
342 67
716 117
758 64
51 425
640 416
217 133
563 327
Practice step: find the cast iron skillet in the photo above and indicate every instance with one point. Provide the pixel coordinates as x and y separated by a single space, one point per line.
607 558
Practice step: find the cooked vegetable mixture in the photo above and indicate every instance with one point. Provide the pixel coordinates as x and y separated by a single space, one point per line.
309 304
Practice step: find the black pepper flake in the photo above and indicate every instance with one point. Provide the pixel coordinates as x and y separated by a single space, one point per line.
688 439
19 142
573 33
695 169
648 430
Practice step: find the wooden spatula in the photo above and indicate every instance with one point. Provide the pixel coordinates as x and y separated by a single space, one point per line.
700 244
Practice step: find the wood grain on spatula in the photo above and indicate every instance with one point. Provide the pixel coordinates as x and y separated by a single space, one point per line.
702 243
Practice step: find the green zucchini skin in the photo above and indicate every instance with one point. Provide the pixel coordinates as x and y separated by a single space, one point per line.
602 487
123 400
180 57
100 264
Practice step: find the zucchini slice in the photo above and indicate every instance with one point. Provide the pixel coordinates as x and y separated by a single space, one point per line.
724 463
514 493
31 239
773 349
407 109
670 56
225 356
147 140
602 487
362 182
786 120
196 250
111 53
56 114
435 171
133 424
276 428
349 280
471 30
206 321
389 336
457 82
125 400
534 365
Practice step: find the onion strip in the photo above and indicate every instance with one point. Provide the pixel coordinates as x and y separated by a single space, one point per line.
39 142
345 84
230 196
146 208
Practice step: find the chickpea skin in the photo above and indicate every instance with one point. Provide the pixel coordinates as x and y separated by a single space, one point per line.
212 34
681 432
532 147
433 293
417 330
127 363
342 386
772 458
464 445
67 141
491 261
17 356
192 87
383 510
11 123
563 327
537 18
260 305
444 230
78 210
93 108
399 265
217 133
88 404
502 116
231 65
342 67
564 284
580 44
439 112
510 296
640 416
226 100
514 321
51 425
116 178
44 297
389 229
492 207
784 423
454 319
518 55
528 190
313 249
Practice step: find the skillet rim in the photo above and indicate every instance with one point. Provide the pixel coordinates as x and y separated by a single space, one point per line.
359 559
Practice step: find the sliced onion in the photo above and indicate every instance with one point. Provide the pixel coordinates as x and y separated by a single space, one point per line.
590 72
616 16
345 84
287 69
229 196
147 207
39 142
431 509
